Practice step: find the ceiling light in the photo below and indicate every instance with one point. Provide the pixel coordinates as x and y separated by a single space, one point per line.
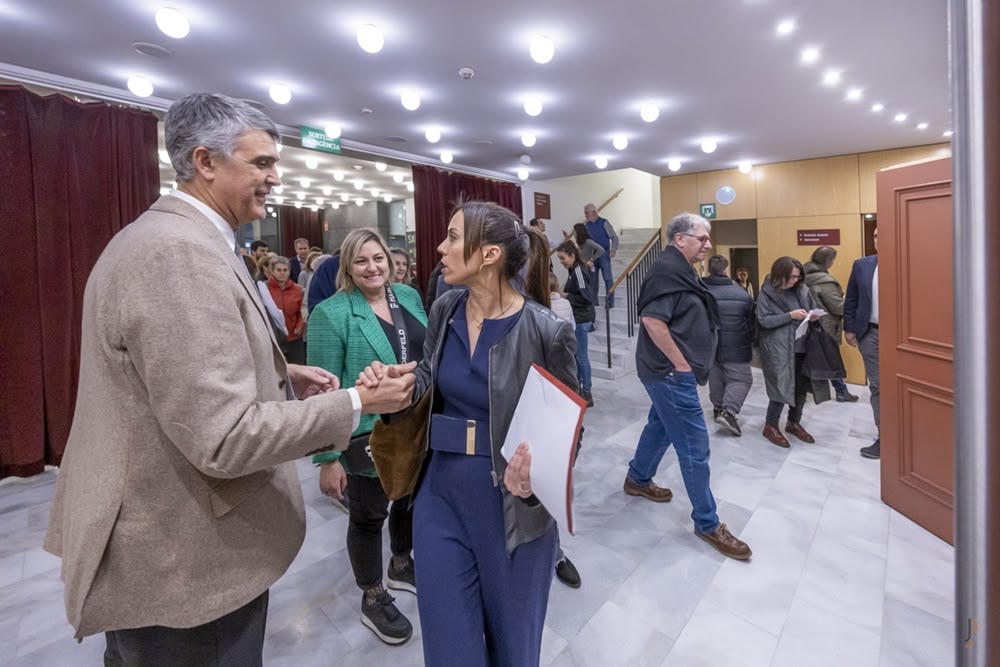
601 162
140 86
327 191
359 185
786 27
831 77
359 201
620 141
410 100
164 191
279 200
649 112
280 93
370 38
877 107
532 106
344 196
899 118
409 186
320 200
374 192
922 126
338 175
398 178
336 205
172 23
312 162
854 94
298 204
305 182
674 165
164 157
745 167
300 196
278 188
332 130
810 55
528 139
522 173
432 134
313 208
387 198
542 49
447 157
380 166
708 146
946 133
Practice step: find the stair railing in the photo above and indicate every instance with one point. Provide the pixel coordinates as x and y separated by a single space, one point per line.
632 277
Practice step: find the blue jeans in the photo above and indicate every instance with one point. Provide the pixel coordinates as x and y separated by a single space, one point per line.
839 386
676 418
603 265
583 355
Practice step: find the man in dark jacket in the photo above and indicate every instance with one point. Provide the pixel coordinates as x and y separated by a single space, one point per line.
674 354
861 330
730 379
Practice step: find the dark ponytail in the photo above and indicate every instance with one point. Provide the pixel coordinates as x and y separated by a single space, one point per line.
536 282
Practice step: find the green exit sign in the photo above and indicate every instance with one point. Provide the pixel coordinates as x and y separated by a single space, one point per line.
707 211
317 140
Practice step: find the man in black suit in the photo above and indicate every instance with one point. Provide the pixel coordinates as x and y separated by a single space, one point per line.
861 329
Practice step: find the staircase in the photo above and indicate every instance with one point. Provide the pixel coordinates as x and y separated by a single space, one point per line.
631 242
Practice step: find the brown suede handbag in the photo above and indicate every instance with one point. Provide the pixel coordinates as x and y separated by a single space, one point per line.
399 447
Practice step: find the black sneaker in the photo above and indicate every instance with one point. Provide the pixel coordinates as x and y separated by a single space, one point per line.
587 396
383 618
727 420
715 414
847 397
872 451
402 579
566 572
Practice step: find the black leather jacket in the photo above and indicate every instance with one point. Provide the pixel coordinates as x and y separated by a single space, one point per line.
538 337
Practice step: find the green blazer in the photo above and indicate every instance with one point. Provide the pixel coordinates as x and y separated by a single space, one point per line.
345 336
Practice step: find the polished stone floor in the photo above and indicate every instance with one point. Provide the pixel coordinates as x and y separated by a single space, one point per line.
837 578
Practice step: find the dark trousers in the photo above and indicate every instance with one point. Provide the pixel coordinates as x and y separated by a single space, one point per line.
801 389
235 639
478 606
369 508
295 351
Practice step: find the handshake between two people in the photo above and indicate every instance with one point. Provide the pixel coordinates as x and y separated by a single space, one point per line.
390 391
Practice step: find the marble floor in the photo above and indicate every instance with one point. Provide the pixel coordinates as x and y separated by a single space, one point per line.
837 577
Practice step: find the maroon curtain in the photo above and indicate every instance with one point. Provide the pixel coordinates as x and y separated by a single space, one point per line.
299 223
73 175
435 194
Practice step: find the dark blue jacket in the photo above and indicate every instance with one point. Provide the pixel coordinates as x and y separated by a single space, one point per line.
858 301
324 282
294 268
737 320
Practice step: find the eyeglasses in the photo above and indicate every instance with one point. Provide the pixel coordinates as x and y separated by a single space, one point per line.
700 239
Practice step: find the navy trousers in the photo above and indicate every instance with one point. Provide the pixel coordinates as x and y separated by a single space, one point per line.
478 606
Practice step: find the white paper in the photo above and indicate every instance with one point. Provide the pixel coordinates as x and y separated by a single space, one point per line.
547 418
804 324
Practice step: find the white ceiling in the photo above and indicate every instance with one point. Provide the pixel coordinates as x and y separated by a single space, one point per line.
716 67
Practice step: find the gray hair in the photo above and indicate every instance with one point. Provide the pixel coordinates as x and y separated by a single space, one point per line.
213 121
686 223
280 260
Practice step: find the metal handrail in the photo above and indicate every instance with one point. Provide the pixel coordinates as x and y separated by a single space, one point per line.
633 276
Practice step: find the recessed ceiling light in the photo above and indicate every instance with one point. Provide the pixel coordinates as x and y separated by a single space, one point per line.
410 100
387 198
542 49
786 27
332 130
946 133
278 188
279 200
305 182
899 118
854 94
532 106
327 191
745 167
300 196
140 86
375 192
336 205
164 157
344 196
409 186
601 162
877 107
320 200
708 146
298 204
172 23
620 142
314 208
398 178
359 202
649 112
522 173
831 77
370 38
528 139
447 157
164 191
358 167
922 126
280 93
674 165
359 185
312 162
810 55
338 175
381 166
433 134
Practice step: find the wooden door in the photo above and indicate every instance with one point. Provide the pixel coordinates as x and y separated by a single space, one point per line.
916 343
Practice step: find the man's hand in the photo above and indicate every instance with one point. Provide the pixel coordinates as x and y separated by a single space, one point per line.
386 389
332 480
311 380
852 339
612 253
373 374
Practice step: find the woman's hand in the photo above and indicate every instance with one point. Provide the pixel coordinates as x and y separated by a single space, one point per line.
798 314
517 477
332 480
371 375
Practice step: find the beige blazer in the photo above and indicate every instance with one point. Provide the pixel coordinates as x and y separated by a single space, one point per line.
176 502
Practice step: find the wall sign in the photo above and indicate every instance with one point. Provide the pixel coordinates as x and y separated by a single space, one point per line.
317 140
819 236
543 206
707 211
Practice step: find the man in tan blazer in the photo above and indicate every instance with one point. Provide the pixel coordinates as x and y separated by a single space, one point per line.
177 506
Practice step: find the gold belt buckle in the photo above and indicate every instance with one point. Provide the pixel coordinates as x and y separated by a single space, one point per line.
470 437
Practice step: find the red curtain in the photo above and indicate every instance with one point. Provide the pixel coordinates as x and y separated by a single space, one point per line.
299 223
73 175
435 194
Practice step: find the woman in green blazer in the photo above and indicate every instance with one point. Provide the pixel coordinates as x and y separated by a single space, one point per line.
357 325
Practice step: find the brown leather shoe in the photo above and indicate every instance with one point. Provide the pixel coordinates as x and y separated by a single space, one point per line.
658 494
795 428
726 544
774 435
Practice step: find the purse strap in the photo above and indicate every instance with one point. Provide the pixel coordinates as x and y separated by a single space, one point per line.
399 322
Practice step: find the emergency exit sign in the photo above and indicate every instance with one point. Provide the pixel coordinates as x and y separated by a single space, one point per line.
707 211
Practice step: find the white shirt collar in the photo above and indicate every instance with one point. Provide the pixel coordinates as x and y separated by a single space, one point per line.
208 212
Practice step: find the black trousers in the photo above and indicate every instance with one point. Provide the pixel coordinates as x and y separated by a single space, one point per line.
369 508
236 639
295 351
801 389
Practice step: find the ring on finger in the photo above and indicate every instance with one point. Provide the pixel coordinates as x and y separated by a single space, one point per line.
524 487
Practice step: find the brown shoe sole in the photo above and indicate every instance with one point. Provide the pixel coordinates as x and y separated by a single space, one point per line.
779 443
640 491
723 550
802 435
